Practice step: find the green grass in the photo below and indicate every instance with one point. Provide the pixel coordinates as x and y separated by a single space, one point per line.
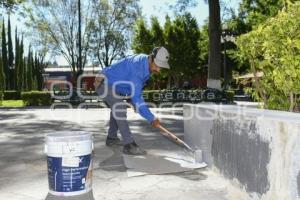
12 103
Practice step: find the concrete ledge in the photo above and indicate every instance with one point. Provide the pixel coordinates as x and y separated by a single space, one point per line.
258 148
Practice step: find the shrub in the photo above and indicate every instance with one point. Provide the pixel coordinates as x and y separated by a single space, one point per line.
212 95
229 95
36 98
12 95
151 95
274 49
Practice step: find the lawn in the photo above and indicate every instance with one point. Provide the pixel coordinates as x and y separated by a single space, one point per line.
12 103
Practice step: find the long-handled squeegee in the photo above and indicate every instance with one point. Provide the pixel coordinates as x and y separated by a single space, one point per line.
197 154
173 137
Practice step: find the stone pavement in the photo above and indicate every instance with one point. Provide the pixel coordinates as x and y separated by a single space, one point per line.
23 170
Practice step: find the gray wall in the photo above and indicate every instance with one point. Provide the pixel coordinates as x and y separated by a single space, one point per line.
259 148
240 156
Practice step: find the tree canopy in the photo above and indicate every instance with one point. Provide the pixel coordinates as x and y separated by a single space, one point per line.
277 55
10 4
111 28
55 28
180 37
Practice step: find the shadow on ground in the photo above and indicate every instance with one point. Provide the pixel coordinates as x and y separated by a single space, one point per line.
87 196
22 141
151 139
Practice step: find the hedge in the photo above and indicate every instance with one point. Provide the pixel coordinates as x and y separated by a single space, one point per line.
230 95
39 98
158 96
192 96
12 95
1 98
36 98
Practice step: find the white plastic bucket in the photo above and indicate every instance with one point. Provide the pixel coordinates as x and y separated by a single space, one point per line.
69 161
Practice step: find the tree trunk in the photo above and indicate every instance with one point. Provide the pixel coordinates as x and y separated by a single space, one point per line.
169 81
292 102
79 39
214 61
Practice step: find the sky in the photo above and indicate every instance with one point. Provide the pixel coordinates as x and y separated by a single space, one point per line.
160 8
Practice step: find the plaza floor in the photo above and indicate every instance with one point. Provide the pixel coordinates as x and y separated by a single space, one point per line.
23 170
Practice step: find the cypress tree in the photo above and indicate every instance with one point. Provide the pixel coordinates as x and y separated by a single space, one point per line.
34 72
10 56
41 79
41 64
2 77
17 45
36 64
29 70
39 73
20 74
4 56
25 87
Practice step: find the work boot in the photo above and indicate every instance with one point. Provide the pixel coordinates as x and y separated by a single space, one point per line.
133 149
113 142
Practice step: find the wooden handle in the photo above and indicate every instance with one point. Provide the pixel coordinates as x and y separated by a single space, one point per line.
167 133
171 135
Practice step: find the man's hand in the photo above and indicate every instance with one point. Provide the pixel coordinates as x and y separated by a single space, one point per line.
155 123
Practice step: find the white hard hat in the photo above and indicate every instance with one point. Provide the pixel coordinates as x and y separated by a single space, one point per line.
161 57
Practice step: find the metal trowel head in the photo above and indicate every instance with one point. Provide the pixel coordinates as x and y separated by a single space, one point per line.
195 154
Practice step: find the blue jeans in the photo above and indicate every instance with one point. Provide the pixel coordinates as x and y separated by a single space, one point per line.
118 114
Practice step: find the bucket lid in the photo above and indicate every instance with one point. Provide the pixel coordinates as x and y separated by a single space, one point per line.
66 136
